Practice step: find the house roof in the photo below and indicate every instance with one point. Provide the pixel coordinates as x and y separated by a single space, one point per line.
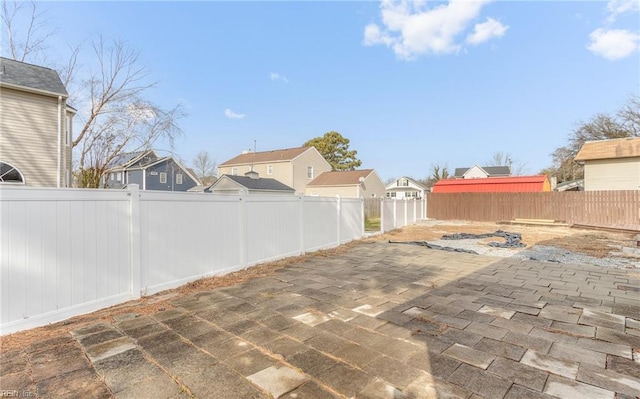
393 184
491 171
340 178
628 147
492 184
125 159
263 184
35 77
266 156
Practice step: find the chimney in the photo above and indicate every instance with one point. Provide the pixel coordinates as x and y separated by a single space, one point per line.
252 175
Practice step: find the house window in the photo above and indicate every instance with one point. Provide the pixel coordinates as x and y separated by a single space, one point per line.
112 176
310 172
403 183
178 178
411 194
391 194
9 174
119 176
269 169
163 177
234 171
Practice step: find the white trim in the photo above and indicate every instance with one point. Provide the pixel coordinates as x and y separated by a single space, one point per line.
59 166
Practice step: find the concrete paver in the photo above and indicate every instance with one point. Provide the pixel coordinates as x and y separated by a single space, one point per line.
377 321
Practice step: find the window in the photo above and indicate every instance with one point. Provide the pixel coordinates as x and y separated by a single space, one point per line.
269 169
9 174
178 178
411 194
113 176
234 171
163 177
119 176
309 172
391 194
403 183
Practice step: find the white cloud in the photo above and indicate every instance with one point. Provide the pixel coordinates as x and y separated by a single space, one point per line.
619 7
411 29
232 115
613 44
487 30
277 76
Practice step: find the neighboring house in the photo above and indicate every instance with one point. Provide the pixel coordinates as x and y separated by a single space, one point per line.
363 183
295 167
406 187
481 172
150 172
35 127
611 164
250 183
515 184
572 185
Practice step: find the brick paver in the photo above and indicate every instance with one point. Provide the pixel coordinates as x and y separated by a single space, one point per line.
380 320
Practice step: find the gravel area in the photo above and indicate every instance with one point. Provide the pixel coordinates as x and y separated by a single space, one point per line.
539 253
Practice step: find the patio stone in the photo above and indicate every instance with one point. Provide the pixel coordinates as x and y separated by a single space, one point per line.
548 363
277 380
567 388
470 356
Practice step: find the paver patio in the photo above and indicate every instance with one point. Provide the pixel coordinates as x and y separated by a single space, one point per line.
378 321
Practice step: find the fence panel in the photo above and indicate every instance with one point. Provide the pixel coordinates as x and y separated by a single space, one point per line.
320 223
64 252
619 209
351 219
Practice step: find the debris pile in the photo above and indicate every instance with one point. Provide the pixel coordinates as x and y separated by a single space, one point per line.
512 240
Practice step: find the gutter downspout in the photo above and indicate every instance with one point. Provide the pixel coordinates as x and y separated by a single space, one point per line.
59 139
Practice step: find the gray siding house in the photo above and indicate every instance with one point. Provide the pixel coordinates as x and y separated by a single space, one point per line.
150 172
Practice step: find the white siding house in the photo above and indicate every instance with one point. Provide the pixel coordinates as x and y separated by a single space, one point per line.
405 187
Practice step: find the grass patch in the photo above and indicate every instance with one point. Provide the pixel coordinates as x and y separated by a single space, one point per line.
372 224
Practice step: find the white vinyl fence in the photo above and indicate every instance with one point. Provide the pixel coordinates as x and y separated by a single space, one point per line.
66 252
395 214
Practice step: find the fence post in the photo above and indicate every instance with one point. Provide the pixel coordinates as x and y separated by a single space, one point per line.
406 217
382 215
243 231
135 259
301 224
415 210
395 213
339 214
362 231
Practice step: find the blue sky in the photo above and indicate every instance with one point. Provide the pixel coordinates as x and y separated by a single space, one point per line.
410 84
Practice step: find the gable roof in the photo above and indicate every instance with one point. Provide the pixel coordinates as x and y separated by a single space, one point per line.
127 158
266 156
340 178
393 184
628 147
490 170
21 74
263 184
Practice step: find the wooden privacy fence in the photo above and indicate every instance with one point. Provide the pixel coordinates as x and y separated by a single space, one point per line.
617 209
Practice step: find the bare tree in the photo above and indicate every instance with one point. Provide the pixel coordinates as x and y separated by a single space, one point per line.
501 158
119 119
23 44
625 123
113 113
439 171
204 165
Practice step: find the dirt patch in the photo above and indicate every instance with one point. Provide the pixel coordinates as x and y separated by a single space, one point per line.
597 244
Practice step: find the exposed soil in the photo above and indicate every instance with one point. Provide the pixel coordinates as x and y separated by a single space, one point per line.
593 243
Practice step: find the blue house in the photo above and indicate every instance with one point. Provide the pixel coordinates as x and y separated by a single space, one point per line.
150 172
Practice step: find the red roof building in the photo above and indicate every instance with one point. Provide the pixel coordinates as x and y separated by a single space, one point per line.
514 184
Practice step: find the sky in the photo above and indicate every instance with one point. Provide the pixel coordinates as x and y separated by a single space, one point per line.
411 84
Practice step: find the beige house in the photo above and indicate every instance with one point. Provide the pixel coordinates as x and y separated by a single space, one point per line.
363 183
35 126
295 167
611 164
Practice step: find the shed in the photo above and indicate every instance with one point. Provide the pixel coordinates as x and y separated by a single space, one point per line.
515 184
611 164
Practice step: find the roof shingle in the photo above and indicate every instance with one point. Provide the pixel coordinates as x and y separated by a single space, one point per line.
628 147
266 156
31 76
340 178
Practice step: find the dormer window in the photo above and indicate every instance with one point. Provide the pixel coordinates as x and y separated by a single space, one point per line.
403 182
